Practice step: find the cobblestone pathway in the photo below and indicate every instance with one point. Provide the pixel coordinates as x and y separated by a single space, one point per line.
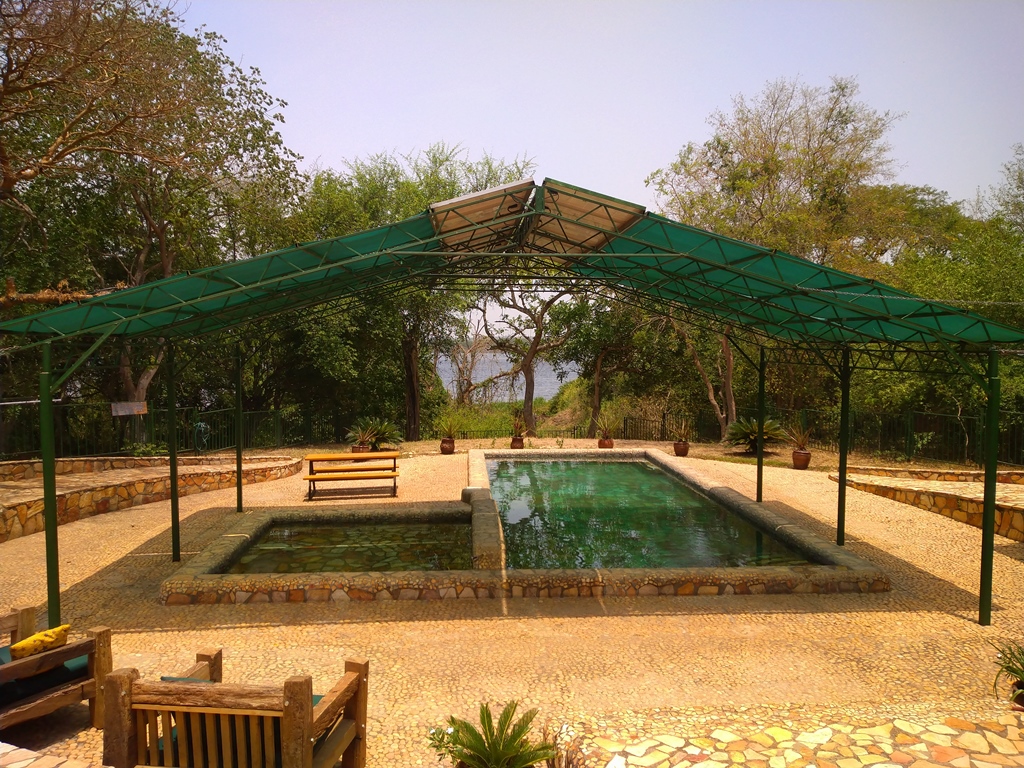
901 678
898 744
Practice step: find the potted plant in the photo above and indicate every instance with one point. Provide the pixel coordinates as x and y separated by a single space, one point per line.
384 433
361 434
447 426
501 744
744 431
518 427
605 432
1010 660
681 438
800 436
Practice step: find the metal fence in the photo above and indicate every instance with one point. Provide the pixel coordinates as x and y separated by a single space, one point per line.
89 429
914 434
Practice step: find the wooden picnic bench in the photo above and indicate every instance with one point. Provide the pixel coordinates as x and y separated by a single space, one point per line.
338 467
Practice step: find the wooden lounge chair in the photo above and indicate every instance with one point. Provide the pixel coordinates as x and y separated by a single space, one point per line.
188 723
47 681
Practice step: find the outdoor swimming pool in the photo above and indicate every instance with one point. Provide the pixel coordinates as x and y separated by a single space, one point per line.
346 547
625 546
620 514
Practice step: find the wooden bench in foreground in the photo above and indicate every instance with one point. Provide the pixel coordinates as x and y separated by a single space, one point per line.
338 467
43 683
187 722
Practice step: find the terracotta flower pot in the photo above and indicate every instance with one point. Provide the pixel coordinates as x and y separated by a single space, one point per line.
681 448
447 445
801 459
360 449
517 442
605 442
1017 698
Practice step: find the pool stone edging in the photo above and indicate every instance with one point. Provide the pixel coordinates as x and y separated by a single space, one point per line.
195 583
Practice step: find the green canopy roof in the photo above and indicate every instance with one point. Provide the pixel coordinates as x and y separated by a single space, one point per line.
579 234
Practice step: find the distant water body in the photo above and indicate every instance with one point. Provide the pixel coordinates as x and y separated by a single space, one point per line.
489 364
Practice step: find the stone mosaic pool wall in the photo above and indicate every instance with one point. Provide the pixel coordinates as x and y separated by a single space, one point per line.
836 570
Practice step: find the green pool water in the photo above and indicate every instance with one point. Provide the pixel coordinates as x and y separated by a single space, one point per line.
619 514
314 547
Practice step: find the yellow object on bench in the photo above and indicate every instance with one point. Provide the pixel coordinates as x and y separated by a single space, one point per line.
339 467
46 640
36 685
190 722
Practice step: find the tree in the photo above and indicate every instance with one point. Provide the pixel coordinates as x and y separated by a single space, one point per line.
522 332
1009 196
784 170
80 79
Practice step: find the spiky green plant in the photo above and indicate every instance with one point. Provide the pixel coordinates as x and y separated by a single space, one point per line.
744 431
448 425
497 745
605 427
362 432
799 435
385 433
1010 660
681 433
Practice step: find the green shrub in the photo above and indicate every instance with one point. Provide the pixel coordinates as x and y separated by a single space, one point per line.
501 745
744 431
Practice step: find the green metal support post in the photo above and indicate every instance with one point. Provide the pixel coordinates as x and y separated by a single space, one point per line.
239 426
762 365
844 444
49 457
988 513
172 450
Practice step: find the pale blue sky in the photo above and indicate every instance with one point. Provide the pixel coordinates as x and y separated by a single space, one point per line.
602 93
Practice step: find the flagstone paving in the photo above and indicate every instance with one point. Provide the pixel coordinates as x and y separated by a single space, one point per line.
664 681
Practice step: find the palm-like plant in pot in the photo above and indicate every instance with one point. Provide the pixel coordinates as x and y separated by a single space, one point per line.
744 431
605 431
385 433
1010 660
362 434
801 438
448 426
518 427
681 438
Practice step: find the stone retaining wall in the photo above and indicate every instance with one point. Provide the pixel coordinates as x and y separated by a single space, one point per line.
941 475
28 470
25 518
1009 520
834 569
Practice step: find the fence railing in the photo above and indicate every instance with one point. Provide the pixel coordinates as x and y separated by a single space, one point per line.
89 429
914 434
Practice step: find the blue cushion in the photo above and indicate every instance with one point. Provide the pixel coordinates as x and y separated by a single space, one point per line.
19 690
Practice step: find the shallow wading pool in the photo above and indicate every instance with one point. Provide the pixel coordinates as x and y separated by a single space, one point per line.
638 541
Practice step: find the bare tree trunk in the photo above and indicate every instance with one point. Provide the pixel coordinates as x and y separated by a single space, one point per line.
595 398
137 391
727 375
411 360
529 385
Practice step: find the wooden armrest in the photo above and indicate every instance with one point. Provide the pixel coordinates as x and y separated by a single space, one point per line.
208 666
19 624
331 705
47 660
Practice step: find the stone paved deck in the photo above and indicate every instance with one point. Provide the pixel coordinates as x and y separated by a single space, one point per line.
647 675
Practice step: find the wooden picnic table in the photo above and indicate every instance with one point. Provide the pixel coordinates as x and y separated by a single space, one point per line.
338 467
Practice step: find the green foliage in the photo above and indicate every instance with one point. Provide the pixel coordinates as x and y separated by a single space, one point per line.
362 431
518 425
384 433
1010 660
744 431
146 449
504 744
606 426
799 435
681 432
448 425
